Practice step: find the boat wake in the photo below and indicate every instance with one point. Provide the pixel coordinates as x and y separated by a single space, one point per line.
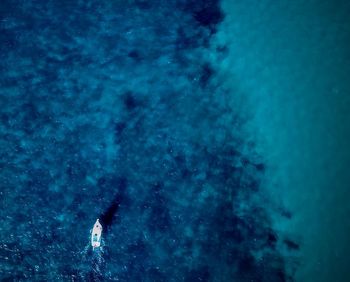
97 265
94 251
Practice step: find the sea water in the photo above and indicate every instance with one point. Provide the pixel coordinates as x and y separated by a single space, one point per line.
204 135
291 61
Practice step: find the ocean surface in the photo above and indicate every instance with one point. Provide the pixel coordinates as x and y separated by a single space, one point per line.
291 62
209 138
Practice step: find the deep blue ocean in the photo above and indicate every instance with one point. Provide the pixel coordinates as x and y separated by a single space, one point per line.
174 123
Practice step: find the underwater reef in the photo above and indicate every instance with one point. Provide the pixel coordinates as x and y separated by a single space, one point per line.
113 110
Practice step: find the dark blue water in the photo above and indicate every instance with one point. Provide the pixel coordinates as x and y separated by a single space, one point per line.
114 110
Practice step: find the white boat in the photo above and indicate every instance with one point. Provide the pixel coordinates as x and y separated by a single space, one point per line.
96 235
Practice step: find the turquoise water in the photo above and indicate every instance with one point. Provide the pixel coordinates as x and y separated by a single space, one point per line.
291 60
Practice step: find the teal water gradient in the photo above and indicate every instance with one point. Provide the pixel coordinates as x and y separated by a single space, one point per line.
291 60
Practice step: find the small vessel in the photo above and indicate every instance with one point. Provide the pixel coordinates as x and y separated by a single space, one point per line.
96 235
